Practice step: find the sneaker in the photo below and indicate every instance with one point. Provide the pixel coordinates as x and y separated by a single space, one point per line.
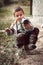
32 47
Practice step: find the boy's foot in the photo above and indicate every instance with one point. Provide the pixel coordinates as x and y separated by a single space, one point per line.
32 47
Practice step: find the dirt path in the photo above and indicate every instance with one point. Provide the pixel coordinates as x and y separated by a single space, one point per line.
36 58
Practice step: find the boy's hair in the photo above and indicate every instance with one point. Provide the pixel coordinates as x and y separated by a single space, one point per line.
26 21
17 9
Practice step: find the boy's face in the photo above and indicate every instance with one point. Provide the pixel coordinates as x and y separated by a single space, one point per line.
19 15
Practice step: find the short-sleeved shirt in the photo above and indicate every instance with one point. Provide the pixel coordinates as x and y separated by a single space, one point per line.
17 25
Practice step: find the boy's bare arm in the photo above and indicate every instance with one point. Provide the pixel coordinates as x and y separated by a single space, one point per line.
9 31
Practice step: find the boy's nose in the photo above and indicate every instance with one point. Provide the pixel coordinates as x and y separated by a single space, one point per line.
19 16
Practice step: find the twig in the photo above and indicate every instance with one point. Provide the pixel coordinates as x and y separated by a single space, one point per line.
2 31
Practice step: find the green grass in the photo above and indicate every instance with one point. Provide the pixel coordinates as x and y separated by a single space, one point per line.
6 11
4 25
26 10
3 36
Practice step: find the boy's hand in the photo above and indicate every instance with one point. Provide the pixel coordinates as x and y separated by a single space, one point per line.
7 30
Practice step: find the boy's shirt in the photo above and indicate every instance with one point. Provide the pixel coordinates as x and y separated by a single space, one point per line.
18 25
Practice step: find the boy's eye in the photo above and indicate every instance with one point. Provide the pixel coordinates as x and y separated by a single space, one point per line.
19 15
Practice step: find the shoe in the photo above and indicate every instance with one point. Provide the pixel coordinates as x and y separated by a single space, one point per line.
32 47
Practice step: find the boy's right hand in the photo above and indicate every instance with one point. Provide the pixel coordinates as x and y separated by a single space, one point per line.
7 30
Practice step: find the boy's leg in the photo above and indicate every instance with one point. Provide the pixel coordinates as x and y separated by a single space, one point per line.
34 35
36 31
32 41
26 47
33 38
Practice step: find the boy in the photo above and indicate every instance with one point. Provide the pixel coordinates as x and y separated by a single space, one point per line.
18 27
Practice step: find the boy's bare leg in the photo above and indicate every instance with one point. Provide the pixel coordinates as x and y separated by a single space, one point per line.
26 47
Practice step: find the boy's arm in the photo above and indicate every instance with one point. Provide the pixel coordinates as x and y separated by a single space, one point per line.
10 30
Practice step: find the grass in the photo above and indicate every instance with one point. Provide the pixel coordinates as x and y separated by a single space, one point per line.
3 11
4 25
6 11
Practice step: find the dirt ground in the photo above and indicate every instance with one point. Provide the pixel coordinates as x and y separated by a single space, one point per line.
36 56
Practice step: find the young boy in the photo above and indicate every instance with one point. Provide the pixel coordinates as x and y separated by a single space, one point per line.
18 27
